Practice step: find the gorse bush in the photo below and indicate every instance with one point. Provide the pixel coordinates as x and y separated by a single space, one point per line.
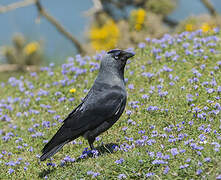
171 128
23 53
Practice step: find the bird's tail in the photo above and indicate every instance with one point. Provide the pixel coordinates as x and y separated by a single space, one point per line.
48 154
56 143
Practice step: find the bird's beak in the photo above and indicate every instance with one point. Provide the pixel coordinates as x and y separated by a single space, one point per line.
129 54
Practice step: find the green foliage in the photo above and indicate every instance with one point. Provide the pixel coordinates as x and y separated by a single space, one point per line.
161 7
162 134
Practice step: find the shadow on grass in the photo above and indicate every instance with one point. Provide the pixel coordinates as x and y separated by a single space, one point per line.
45 172
104 149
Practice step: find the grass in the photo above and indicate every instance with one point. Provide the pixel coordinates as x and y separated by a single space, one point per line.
4 76
171 128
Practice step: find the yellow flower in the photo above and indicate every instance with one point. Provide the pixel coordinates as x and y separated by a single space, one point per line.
139 18
189 27
72 90
31 48
138 27
205 27
104 37
141 13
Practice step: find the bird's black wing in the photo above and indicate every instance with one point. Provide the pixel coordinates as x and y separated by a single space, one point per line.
102 103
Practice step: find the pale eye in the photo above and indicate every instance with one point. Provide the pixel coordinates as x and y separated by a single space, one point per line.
116 57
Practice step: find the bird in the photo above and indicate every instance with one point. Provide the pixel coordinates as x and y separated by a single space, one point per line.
101 107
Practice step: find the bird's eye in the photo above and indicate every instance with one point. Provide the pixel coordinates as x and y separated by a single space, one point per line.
116 57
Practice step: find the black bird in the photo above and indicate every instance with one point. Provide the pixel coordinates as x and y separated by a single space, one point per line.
99 110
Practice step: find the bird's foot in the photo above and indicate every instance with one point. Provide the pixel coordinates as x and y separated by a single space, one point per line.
90 153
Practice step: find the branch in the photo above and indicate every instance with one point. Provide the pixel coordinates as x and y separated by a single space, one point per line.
59 27
210 7
18 67
13 6
97 7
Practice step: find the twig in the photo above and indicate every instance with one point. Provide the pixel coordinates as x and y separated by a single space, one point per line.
97 7
13 6
59 27
210 7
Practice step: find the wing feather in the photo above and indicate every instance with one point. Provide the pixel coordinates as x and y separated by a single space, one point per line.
100 105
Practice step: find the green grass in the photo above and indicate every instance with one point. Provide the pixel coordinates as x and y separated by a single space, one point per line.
5 75
146 139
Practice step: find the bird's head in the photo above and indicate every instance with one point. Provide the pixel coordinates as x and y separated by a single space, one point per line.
116 59
120 55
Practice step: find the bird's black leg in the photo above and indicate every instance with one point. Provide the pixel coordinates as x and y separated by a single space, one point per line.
91 141
91 146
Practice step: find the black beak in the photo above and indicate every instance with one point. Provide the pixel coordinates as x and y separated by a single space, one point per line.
129 54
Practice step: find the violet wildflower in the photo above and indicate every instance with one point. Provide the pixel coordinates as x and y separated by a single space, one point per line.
121 176
184 166
141 45
145 96
199 171
120 161
159 162
174 151
208 159
10 171
166 170
218 177
131 86
150 174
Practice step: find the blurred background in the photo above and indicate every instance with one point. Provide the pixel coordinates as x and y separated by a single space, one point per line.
34 32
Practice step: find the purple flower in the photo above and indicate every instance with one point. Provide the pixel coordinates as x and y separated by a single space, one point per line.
120 161
159 162
184 166
131 86
90 172
199 163
142 45
145 96
10 171
166 170
148 74
188 160
218 177
61 99
174 151
208 159
163 94
150 174
152 108
219 89
187 52
94 174
210 90
199 171
121 176
185 45
202 137
166 156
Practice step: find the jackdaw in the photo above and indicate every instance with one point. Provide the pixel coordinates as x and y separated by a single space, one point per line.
99 110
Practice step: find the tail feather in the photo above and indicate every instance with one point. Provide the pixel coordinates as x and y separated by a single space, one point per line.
63 136
48 154
56 143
